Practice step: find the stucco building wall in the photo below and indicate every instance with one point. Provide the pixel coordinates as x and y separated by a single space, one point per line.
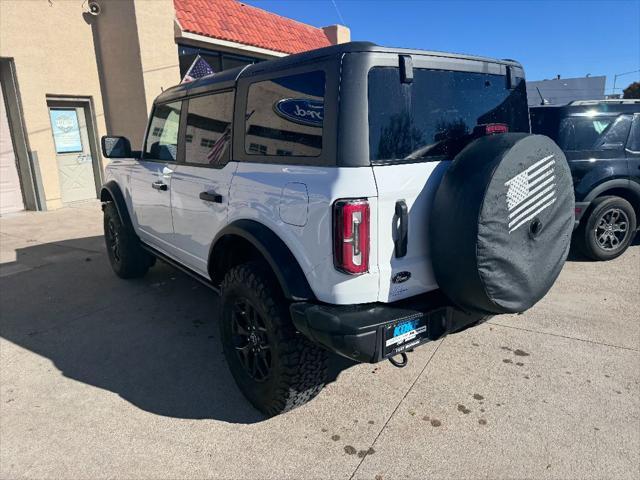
56 57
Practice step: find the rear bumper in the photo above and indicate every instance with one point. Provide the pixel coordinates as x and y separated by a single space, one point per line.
362 332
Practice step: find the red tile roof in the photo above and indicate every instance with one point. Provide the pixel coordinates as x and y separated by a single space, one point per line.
238 22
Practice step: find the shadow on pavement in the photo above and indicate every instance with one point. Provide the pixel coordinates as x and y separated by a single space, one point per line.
153 341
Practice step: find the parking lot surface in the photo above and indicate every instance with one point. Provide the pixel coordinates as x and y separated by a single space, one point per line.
106 378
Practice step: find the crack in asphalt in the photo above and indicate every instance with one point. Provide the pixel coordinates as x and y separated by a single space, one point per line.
397 407
564 336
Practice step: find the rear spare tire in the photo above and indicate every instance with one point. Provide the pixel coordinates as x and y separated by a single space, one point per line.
501 223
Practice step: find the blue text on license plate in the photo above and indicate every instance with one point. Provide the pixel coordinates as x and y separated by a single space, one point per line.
405 331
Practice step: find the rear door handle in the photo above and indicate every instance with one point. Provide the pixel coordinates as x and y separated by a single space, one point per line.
159 186
402 232
211 197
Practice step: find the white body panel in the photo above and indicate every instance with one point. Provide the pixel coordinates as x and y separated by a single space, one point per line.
296 203
152 207
416 184
257 194
119 171
196 222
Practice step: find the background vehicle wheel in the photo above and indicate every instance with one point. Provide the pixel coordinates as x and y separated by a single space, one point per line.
275 367
608 230
126 256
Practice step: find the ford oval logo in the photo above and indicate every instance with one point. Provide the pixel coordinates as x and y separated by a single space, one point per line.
300 110
401 277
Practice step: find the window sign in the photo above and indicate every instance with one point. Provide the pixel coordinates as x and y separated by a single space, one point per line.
66 131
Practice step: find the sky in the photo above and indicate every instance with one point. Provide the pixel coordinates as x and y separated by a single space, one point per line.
562 37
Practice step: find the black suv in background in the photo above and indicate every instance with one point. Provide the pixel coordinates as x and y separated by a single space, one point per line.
601 139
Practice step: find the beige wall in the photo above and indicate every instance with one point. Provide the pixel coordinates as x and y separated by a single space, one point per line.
337 34
52 47
118 55
122 59
158 49
138 58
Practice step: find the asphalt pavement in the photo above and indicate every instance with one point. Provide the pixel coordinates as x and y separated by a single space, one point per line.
106 378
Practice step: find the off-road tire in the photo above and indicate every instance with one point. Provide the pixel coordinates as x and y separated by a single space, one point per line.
127 258
298 368
587 233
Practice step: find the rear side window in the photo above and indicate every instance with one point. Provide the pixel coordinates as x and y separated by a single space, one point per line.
208 134
434 117
285 116
162 137
593 132
633 143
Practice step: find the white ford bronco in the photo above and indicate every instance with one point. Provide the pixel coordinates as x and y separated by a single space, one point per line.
354 199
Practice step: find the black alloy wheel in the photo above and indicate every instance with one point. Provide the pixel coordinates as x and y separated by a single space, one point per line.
607 229
612 229
126 255
276 367
251 340
113 240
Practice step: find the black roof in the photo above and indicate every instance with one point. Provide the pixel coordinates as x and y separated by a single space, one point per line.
232 75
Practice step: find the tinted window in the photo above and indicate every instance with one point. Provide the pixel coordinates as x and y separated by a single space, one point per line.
285 116
162 138
545 121
593 132
208 135
233 62
435 116
633 143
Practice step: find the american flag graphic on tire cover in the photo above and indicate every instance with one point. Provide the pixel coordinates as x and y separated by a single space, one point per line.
530 192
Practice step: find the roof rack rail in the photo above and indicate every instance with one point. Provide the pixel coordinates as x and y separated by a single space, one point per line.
614 101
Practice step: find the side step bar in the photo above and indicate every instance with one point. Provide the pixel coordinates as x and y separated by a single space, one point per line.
161 256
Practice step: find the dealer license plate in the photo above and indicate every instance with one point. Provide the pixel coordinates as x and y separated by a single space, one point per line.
401 336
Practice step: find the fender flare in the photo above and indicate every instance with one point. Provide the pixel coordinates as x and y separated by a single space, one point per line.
279 257
113 190
623 183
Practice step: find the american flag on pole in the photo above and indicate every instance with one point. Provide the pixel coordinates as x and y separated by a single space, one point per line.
198 69
217 150
530 192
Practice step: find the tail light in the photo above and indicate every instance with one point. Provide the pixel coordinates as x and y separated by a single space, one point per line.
490 129
351 236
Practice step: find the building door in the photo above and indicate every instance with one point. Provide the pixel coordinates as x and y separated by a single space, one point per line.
73 152
10 191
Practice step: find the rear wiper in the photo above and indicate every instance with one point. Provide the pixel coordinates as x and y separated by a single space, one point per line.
441 147
423 151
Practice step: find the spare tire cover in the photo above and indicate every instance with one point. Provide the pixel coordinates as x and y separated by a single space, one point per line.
501 222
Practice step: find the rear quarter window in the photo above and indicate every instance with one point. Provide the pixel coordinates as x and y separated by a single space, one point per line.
285 116
633 143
